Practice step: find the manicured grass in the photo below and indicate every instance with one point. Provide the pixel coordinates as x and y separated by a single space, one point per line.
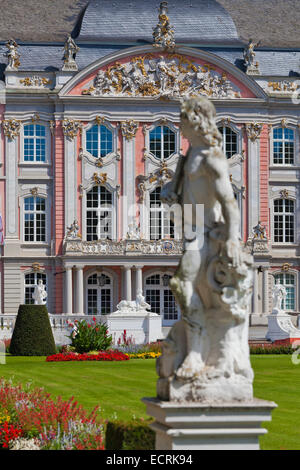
119 386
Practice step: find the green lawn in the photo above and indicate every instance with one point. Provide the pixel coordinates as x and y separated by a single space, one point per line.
119 386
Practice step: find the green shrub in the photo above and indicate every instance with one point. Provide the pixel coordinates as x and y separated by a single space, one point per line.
32 335
89 336
134 435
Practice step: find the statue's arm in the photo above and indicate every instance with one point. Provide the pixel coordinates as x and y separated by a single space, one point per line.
171 190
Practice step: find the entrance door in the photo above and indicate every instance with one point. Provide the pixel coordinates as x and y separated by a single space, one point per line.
99 294
161 298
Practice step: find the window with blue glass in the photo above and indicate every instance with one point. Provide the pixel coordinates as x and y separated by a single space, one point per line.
283 146
34 143
99 141
162 142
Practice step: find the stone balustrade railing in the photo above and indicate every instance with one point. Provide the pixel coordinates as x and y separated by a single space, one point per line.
123 247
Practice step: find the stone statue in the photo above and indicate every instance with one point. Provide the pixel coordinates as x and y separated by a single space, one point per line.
39 294
73 231
133 232
163 33
70 49
259 231
134 307
249 56
12 55
279 295
206 355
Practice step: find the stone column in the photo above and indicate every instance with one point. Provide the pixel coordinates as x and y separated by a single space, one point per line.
79 290
127 283
139 279
129 129
68 291
255 292
265 289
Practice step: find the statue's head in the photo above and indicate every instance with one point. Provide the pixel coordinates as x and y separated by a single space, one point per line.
198 121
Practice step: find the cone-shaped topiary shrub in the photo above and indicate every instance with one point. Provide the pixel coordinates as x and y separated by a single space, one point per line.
32 334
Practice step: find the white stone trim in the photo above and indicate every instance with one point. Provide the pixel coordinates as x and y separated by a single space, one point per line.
47 144
114 284
284 166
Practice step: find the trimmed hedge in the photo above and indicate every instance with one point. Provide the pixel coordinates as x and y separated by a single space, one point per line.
134 435
272 349
32 334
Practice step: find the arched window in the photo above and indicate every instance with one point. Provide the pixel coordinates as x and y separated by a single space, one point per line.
283 146
99 141
162 142
161 225
289 281
230 141
99 294
34 219
34 143
160 297
31 280
99 203
284 221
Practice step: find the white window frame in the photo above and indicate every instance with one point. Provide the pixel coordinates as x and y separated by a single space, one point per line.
296 147
236 132
174 129
273 213
161 288
107 158
162 209
113 211
47 161
99 289
47 220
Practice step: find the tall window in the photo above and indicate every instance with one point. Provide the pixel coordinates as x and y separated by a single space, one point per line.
161 226
34 219
161 298
31 280
288 280
99 213
230 141
99 141
284 221
99 295
34 143
283 146
162 142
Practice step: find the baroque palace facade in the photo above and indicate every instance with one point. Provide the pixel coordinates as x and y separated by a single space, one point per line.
90 133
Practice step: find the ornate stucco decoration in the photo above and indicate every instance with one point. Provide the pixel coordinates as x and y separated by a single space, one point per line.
252 68
163 33
12 55
253 130
34 191
70 49
71 128
124 247
284 194
72 232
286 267
11 128
36 267
129 129
283 87
259 231
157 178
35 81
166 76
52 126
100 179
100 161
35 118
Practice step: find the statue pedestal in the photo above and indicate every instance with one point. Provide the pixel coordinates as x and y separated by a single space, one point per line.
143 328
199 426
280 327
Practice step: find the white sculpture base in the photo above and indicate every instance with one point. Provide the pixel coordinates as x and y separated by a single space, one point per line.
280 327
203 426
144 328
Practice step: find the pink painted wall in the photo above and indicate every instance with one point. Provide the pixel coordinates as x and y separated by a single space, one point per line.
264 178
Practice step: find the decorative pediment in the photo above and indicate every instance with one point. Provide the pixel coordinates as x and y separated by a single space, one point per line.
166 75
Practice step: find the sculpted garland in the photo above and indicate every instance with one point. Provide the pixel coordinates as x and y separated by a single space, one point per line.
166 76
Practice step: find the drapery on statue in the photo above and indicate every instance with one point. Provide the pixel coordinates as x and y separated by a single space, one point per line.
279 294
39 294
206 355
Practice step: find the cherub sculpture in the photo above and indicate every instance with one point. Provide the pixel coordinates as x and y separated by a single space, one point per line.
206 354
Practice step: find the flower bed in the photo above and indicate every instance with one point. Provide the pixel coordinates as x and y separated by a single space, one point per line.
98 356
145 355
32 420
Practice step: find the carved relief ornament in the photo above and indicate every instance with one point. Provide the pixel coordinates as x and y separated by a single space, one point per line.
71 128
158 177
35 81
163 33
253 130
11 128
129 129
167 76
